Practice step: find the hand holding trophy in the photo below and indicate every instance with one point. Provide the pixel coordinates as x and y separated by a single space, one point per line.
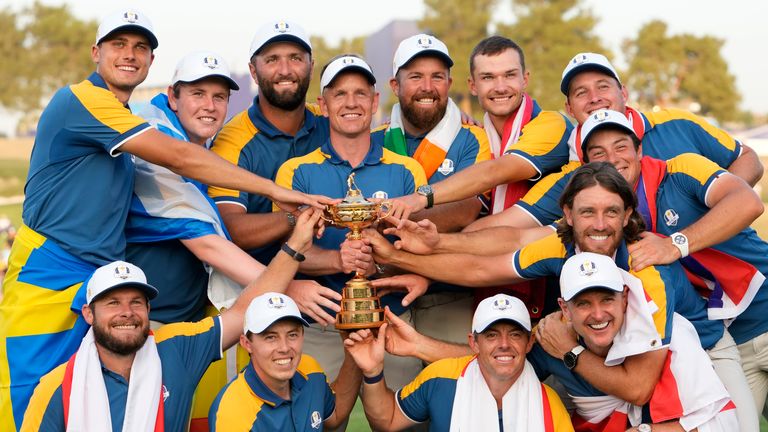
360 306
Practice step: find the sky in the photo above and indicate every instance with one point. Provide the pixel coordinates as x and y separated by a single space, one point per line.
227 28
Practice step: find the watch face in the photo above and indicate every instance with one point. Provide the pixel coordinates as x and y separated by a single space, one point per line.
570 360
424 189
644 428
680 239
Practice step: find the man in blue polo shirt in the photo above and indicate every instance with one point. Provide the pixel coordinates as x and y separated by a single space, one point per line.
124 377
349 100
281 388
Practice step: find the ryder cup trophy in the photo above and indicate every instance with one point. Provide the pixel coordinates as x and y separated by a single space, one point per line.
360 306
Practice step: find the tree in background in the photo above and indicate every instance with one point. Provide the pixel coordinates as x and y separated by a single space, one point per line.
461 24
45 47
551 32
322 53
683 70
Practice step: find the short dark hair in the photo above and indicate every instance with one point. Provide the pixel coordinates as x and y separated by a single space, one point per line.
635 140
494 45
606 176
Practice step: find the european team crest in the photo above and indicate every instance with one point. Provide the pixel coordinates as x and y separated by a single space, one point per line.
276 302
166 393
446 167
600 116
587 268
424 42
282 27
130 17
671 217
579 59
211 61
348 61
122 272
501 303
380 195
316 419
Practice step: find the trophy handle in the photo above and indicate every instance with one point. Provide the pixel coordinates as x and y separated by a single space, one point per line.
327 215
385 205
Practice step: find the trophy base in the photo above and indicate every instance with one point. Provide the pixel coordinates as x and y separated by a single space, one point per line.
360 320
360 306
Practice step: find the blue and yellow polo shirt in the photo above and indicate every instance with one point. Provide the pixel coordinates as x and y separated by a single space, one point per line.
430 396
382 174
78 178
247 404
185 350
666 285
251 142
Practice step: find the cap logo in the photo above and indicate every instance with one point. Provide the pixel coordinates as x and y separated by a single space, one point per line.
424 42
348 60
276 302
587 268
130 17
122 272
579 59
600 116
502 304
282 27
671 217
211 61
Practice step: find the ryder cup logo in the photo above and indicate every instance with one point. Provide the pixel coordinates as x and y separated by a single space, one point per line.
579 59
130 17
282 27
122 272
316 420
501 303
587 268
211 61
446 167
348 61
276 302
424 42
380 195
600 116
671 217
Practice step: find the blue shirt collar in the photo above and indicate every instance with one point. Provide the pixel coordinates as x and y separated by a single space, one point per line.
268 129
263 392
374 156
98 81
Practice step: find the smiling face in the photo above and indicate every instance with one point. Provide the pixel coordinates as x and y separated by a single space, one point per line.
617 148
597 316
422 88
501 351
598 218
123 61
275 353
283 71
201 107
120 320
590 91
499 81
349 102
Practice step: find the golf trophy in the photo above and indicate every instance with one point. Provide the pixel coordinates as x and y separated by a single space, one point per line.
360 306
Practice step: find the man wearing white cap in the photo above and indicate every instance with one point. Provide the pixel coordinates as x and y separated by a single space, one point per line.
124 377
348 99
281 388
496 389
81 176
610 313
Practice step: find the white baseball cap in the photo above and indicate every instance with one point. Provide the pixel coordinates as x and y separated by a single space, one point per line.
117 274
500 307
586 61
279 31
418 45
602 119
126 20
345 63
202 64
587 270
269 308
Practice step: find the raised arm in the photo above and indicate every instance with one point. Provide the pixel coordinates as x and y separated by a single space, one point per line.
747 166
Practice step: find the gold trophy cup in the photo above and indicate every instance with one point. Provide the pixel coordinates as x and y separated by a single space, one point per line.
360 306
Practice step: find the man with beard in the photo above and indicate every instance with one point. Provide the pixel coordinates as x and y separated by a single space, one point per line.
277 127
126 378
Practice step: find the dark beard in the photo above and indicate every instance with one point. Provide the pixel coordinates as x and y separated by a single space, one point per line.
117 346
423 119
284 101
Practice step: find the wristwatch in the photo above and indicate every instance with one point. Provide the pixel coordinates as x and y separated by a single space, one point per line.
571 357
293 254
291 219
643 427
426 190
680 241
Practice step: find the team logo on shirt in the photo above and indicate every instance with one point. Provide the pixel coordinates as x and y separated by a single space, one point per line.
166 393
380 195
282 27
424 42
211 61
276 302
446 167
501 303
316 420
587 268
130 17
671 217
122 272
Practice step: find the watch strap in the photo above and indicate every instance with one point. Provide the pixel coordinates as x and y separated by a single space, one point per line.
292 253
